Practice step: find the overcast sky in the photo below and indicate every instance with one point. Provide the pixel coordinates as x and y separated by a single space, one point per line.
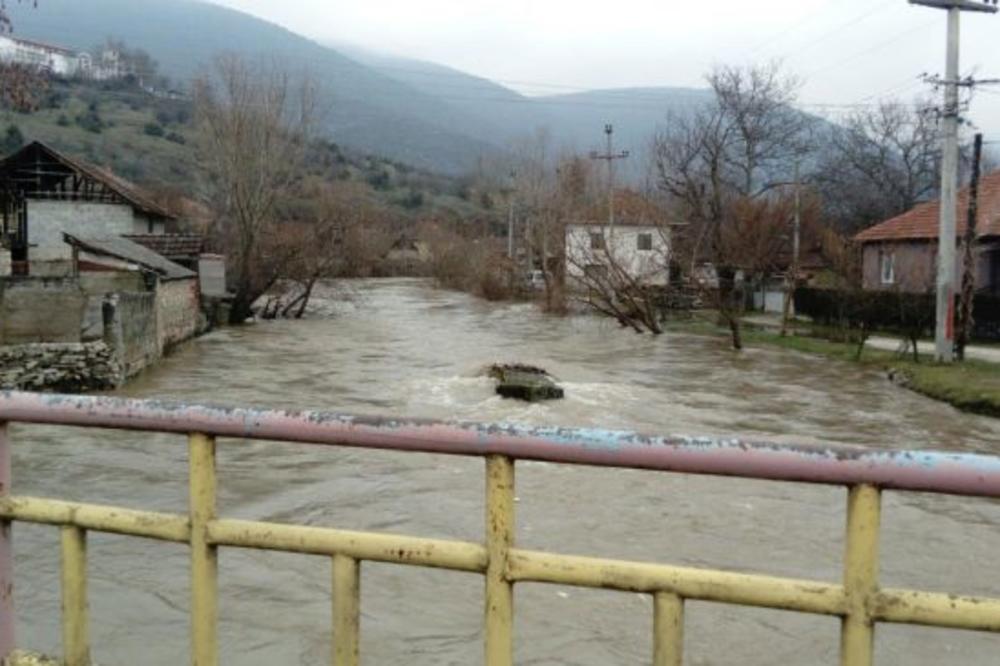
847 51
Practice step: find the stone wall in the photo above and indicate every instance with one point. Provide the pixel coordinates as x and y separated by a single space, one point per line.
178 312
68 367
40 310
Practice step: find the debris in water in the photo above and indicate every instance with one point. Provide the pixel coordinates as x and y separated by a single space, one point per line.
524 382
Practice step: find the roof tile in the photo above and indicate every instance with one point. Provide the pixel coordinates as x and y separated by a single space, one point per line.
921 222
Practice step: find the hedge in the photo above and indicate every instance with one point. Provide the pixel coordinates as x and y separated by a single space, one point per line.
890 311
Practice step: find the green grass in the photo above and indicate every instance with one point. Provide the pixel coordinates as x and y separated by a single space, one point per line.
971 386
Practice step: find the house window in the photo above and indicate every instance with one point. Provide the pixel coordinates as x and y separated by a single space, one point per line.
597 240
887 266
596 272
644 242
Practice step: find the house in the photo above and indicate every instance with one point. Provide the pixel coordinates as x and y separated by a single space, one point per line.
638 244
60 61
44 194
901 253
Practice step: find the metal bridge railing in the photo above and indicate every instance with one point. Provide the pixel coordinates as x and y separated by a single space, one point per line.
858 599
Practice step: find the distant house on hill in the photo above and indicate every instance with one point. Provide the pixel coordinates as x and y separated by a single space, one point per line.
638 243
62 62
44 194
901 253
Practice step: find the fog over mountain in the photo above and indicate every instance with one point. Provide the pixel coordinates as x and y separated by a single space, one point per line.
413 111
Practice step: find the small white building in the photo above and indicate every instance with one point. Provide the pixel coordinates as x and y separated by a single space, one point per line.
640 250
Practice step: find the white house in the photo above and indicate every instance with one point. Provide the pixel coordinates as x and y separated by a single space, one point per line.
61 61
640 249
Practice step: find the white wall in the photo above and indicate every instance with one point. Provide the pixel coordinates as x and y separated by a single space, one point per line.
622 242
47 220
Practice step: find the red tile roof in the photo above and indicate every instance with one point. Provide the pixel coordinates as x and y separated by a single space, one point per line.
921 222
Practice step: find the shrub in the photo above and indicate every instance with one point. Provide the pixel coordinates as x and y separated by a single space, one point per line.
90 121
174 137
153 129
12 140
63 120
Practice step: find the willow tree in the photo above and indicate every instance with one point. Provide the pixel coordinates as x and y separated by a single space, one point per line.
255 123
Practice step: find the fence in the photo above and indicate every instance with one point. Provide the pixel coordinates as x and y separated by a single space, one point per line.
891 311
858 599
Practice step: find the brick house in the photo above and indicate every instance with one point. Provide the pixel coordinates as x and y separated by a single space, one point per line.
901 253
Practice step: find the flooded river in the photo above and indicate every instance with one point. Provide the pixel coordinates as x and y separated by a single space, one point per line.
401 347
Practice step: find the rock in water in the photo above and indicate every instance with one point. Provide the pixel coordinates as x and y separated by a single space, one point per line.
524 382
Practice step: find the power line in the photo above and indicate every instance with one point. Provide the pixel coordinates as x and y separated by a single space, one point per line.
808 18
874 49
850 23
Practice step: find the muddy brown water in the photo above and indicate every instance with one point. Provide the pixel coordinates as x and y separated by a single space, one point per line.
401 347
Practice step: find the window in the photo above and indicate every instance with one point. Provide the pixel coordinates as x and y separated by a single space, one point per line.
887 266
644 242
597 240
596 272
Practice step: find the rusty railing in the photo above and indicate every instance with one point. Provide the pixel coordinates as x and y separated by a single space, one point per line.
858 599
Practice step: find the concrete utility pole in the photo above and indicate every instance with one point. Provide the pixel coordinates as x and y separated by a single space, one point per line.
944 337
796 247
969 255
510 215
611 157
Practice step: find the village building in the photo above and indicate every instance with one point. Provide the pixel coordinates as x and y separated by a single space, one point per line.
901 253
638 243
62 62
44 194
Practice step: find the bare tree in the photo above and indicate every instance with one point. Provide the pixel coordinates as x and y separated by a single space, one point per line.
255 124
722 168
881 163
21 87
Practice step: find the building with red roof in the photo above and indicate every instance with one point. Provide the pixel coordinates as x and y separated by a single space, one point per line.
901 253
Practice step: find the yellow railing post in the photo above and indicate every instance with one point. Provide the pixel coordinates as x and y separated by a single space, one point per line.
861 565
76 625
346 610
204 556
668 629
499 539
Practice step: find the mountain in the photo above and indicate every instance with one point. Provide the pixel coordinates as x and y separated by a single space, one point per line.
366 110
575 121
412 111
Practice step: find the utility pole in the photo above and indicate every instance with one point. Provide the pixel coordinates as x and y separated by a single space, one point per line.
796 245
969 255
944 336
610 157
510 214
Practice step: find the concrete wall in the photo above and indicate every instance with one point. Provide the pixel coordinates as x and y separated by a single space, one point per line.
47 220
97 285
130 330
212 275
647 266
41 310
178 312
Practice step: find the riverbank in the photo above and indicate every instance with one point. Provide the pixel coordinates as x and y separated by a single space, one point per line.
971 386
